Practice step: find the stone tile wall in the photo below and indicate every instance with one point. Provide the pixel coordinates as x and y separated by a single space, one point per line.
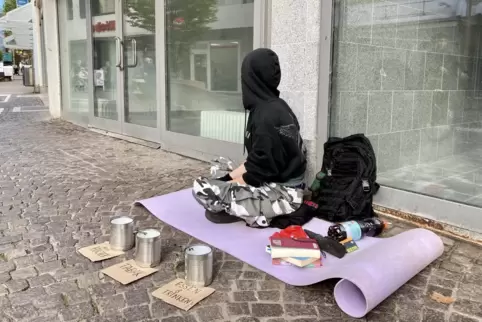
408 74
295 38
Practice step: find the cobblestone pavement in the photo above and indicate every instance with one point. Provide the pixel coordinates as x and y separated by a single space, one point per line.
60 184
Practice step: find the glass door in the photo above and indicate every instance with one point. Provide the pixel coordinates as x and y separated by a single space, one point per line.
124 63
140 109
204 44
106 65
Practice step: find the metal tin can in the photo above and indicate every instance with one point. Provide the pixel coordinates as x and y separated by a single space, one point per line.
148 248
198 265
122 233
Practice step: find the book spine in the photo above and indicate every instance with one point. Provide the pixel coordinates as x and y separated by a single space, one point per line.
280 262
293 243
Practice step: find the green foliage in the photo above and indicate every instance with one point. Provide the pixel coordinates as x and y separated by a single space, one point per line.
9 5
186 22
1 55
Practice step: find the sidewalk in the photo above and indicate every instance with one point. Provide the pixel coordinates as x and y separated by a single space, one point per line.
15 87
60 184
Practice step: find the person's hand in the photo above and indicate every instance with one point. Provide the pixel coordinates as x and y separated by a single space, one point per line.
239 180
225 178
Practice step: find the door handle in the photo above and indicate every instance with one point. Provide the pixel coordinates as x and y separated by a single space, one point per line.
134 53
118 49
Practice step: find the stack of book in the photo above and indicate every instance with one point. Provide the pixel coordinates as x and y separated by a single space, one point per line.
301 252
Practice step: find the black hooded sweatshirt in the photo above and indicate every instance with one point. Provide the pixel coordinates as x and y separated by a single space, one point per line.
272 138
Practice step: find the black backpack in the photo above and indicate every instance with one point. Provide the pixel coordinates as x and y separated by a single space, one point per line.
347 181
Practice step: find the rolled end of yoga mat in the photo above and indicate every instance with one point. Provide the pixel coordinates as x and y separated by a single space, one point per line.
393 263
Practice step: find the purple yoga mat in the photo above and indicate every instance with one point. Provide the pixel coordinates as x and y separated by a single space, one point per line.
368 276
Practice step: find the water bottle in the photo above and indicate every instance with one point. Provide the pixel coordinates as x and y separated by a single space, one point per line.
357 229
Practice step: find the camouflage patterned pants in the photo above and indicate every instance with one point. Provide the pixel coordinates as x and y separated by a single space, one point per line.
256 206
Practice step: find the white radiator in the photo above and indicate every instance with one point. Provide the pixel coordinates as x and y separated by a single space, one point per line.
223 125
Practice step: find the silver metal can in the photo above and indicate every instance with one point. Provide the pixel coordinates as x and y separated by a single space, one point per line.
122 233
148 248
198 265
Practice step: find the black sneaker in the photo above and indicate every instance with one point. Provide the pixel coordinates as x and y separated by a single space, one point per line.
221 217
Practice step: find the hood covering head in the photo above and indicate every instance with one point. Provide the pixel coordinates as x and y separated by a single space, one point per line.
260 77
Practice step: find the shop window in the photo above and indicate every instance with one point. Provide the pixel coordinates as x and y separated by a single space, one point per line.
408 75
204 58
82 5
70 10
233 2
103 7
73 63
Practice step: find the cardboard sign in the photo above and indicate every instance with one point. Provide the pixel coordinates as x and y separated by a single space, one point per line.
99 252
182 295
128 272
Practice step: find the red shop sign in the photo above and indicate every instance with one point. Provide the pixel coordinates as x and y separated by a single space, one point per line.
104 26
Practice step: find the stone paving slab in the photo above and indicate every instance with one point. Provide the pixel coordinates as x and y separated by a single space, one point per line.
60 185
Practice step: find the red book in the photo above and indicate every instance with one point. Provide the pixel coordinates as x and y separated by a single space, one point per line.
306 243
289 247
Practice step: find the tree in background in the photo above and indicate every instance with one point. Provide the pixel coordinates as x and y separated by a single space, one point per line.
9 5
1 55
186 22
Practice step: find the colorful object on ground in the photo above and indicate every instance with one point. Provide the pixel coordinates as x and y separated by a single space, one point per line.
316 263
368 276
349 245
302 262
328 245
357 229
291 232
291 247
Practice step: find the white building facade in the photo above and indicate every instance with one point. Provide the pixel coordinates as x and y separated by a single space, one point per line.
406 73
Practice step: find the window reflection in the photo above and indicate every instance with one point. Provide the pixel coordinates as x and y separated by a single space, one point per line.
102 7
408 74
73 49
206 42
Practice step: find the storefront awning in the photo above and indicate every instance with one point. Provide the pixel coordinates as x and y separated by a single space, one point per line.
19 23
20 14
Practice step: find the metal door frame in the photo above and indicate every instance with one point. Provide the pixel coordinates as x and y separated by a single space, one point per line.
95 121
135 130
120 126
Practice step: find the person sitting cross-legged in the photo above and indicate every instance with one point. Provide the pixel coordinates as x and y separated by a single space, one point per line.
269 183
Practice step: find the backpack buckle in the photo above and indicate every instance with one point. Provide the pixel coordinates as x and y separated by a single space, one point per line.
366 186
